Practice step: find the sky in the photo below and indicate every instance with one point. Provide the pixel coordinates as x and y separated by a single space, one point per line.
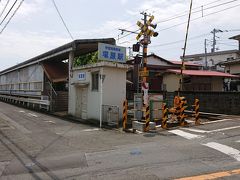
36 27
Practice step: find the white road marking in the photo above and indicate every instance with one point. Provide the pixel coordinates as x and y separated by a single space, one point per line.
22 111
224 129
185 134
50 122
31 114
190 121
196 130
224 149
89 130
222 120
215 130
238 141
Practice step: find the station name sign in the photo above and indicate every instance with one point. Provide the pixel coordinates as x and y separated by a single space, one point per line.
113 53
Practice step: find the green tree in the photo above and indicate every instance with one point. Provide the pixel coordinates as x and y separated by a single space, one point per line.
85 59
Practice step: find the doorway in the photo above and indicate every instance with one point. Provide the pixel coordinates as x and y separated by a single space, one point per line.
81 103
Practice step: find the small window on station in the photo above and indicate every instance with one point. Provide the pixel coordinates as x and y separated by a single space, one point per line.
95 81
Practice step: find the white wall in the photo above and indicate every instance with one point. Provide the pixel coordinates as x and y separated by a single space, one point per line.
171 81
114 87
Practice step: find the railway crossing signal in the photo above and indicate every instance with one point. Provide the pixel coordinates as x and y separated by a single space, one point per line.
147 32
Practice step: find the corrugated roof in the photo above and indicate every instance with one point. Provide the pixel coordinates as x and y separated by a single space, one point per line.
237 37
186 63
202 73
79 46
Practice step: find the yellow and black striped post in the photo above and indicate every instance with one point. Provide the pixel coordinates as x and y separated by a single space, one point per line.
164 115
196 107
147 118
125 108
183 106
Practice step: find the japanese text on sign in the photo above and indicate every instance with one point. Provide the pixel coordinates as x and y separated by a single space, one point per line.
111 53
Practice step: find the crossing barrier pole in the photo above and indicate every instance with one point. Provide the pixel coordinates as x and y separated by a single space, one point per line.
182 114
147 118
196 106
125 108
164 115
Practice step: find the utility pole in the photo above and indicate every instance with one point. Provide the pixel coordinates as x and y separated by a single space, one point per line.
214 31
205 50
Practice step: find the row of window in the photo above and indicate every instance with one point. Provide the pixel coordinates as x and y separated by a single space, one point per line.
22 86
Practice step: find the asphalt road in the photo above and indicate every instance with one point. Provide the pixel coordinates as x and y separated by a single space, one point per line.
40 146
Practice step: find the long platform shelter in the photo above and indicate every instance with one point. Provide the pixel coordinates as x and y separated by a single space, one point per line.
43 81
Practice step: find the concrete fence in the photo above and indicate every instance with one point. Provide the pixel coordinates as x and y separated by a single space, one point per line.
212 102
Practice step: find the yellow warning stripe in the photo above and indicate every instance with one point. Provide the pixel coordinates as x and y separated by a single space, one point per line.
213 175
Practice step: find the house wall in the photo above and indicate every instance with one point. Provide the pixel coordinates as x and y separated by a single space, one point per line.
197 83
113 88
217 83
233 68
171 82
212 60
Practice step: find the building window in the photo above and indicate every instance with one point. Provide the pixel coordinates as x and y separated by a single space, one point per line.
95 81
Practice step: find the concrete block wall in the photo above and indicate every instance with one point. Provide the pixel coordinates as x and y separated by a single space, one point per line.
212 102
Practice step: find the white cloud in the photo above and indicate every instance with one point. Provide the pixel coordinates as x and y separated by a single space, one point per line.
124 1
17 47
31 7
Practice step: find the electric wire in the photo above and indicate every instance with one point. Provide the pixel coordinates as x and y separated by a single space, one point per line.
65 25
166 20
11 16
192 19
177 15
8 12
179 24
4 8
179 41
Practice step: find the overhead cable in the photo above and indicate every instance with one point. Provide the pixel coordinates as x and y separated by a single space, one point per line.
4 8
8 12
11 16
62 19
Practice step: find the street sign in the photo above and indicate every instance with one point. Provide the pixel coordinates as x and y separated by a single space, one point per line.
113 53
144 73
82 76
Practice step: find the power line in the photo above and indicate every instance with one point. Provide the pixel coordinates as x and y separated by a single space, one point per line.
4 8
178 15
11 16
8 12
195 18
182 15
180 41
62 19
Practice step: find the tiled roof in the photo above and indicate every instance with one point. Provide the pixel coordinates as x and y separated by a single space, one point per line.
203 73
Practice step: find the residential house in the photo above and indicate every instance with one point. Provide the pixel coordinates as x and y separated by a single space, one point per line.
213 60
156 66
195 80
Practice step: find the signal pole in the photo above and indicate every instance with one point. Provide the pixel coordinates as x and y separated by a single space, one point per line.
146 32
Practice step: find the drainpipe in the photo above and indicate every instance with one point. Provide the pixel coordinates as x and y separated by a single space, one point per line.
101 94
